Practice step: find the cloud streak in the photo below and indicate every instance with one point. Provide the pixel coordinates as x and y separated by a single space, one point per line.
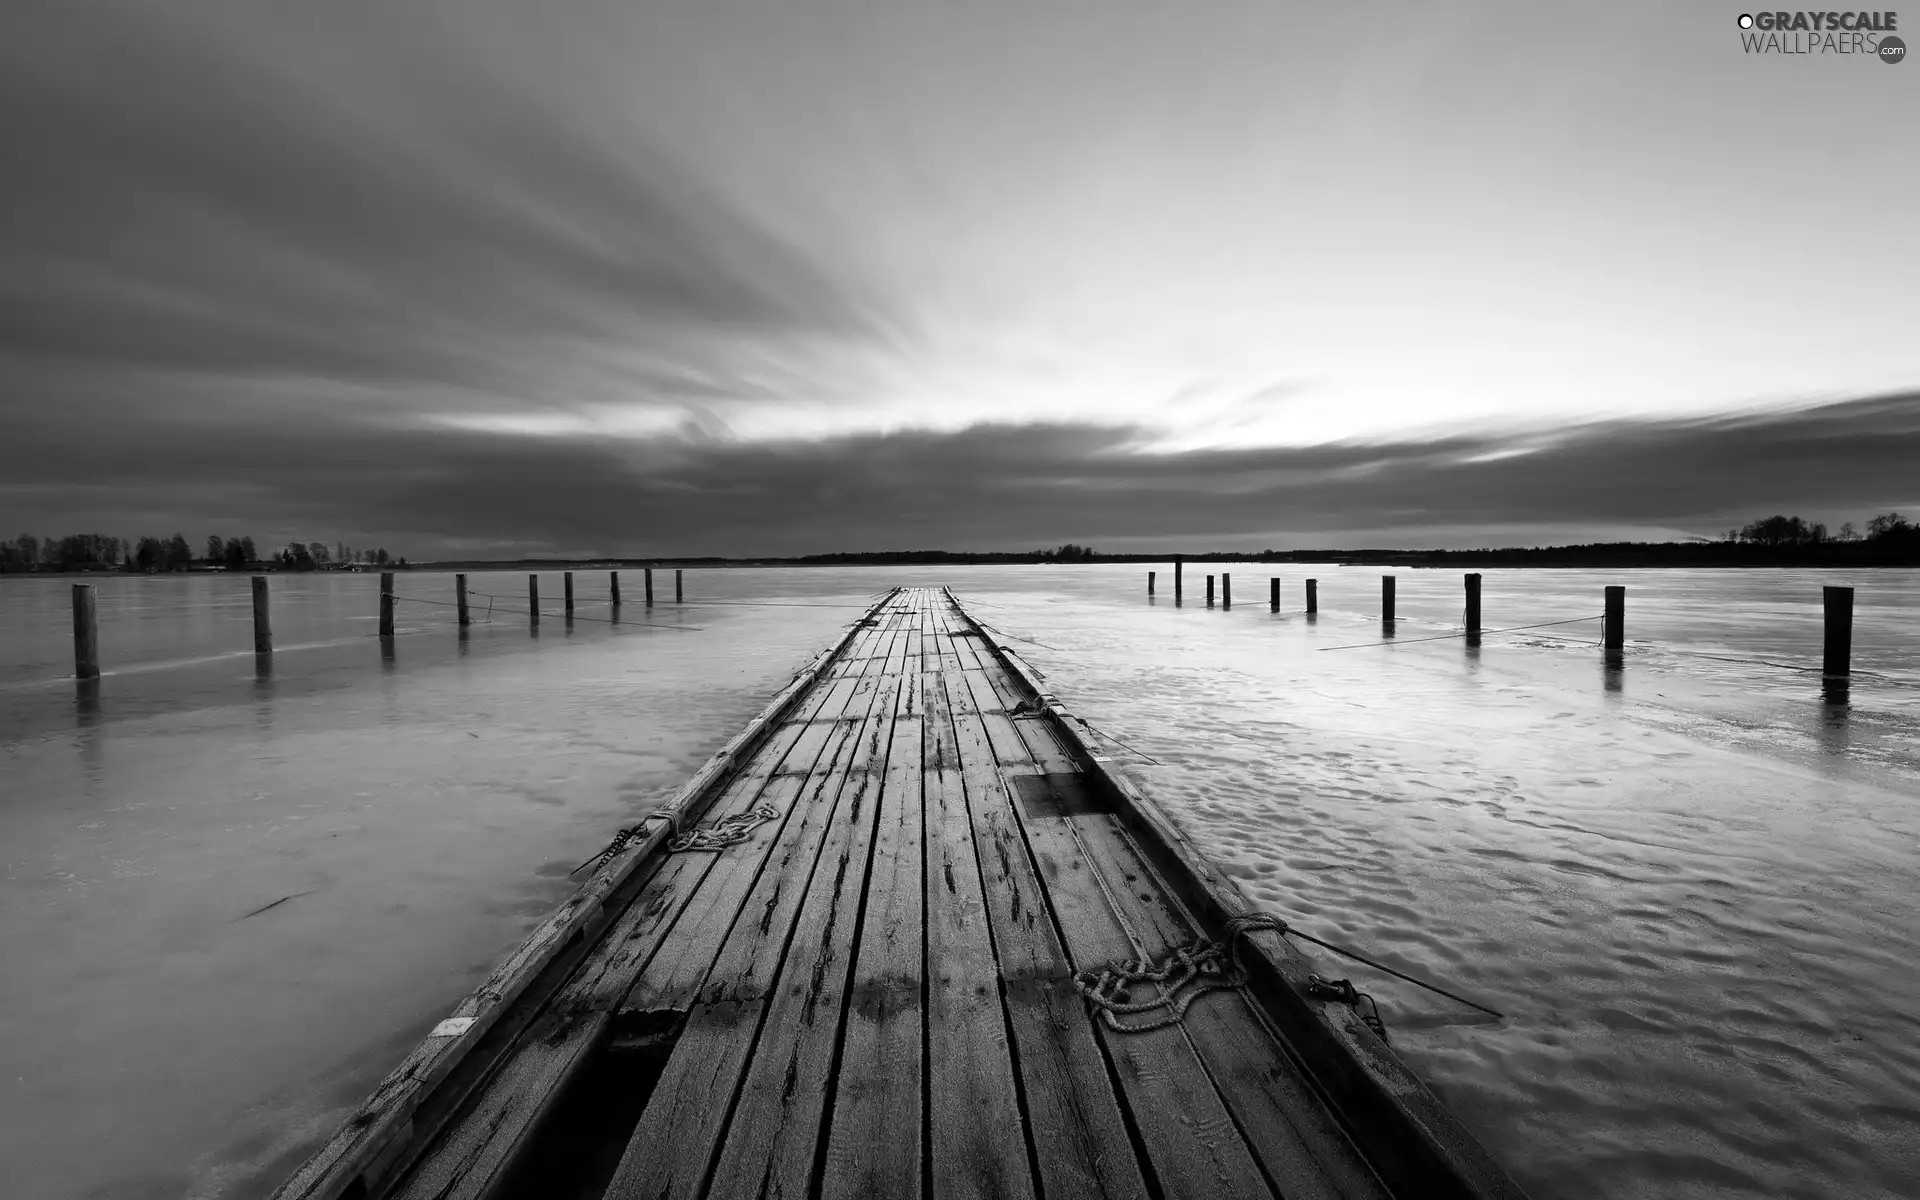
1011 486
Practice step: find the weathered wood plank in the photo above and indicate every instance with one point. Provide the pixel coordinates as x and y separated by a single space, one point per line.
974 1095
1079 1134
778 1120
674 1145
874 1144
1201 1153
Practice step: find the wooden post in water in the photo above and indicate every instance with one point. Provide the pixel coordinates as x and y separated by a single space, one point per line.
1386 597
566 579
533 597
1613 627
1313 595
649 579
1473 603
1209 591
613 581
1149 583
86 634
460 599
262 625
1837 662
1226 590
1273 594
386 604
676 585
1176 578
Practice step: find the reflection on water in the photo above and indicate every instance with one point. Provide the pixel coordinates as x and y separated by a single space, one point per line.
1695 897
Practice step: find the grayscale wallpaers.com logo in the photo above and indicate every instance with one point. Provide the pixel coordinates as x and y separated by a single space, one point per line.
1864 33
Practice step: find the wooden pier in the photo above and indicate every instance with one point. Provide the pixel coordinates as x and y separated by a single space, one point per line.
842 962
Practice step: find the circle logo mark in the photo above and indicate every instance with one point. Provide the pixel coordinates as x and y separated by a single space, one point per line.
1892 50
1746 20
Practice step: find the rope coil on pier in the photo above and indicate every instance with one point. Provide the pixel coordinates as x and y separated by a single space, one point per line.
1189 972
726 832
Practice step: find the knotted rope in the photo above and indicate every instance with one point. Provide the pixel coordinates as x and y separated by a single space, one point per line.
1188 972
725 832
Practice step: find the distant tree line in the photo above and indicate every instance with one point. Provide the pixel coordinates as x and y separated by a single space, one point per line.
1890 528
152 555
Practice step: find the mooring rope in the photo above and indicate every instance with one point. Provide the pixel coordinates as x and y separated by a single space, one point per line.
1188 972
1440 637
727 831
544 613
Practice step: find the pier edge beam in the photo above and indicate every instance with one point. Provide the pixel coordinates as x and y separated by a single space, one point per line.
262 618
386 604
1836 660
86 633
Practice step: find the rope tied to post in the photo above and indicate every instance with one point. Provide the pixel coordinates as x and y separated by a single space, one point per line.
1188 972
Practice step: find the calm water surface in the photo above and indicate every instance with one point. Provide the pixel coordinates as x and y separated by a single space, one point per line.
1693 886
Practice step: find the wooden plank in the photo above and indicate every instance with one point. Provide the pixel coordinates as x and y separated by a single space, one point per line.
674 1144
382 1133
973 1090
1079 1134
778 1121
474 1155
1201 1154
874 1143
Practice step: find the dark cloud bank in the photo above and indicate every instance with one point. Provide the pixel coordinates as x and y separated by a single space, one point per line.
989 487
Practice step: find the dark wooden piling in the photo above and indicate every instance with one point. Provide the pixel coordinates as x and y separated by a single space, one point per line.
262 623
86 634
676 585
1209 591
460 599
1473 603
1177 565
613 583
1226 590
1273 595
1386 597
649 582
1149 583
1313 595
1837 661
386 604
533 598
566 583
1614 624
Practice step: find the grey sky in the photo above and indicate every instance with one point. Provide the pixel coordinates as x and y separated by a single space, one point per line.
667 273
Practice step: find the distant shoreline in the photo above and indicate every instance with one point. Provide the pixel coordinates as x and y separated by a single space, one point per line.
1723 555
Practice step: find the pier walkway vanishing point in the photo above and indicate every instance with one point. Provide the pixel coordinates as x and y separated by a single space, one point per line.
857 978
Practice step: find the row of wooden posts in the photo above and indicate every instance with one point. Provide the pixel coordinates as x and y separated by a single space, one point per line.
1836 659
86 633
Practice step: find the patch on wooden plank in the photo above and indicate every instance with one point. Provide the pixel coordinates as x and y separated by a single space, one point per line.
1062 794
